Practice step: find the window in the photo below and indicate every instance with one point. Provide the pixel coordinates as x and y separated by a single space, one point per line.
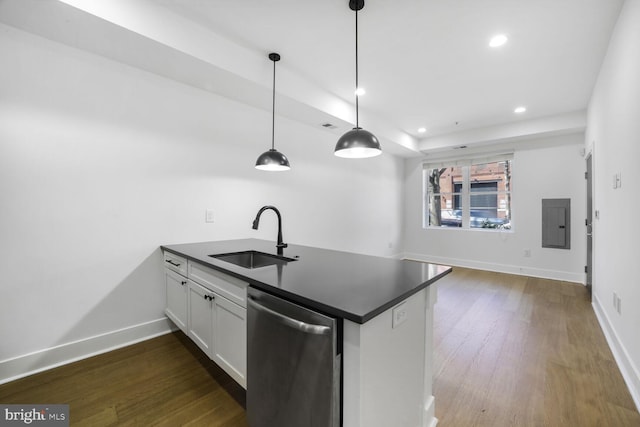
469 194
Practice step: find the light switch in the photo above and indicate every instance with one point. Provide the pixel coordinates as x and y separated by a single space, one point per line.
208 215
617 180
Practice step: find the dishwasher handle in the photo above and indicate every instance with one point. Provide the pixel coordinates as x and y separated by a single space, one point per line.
288 321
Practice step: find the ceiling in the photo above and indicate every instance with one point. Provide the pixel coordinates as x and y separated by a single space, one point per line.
424 63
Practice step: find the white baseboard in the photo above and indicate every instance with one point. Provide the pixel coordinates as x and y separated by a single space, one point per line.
433 423
42 360
629 371
429 417
499 268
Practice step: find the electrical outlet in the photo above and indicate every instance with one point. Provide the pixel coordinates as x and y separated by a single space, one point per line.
208 216
618 304
399 315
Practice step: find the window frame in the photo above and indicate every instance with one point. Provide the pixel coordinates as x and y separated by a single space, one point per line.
465 195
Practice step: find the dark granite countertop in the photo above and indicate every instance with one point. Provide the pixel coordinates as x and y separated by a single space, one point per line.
340 284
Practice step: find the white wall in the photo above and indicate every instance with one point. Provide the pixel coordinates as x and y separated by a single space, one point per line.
613 135
101 163
555 171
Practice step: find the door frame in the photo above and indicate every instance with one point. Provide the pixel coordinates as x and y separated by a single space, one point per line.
589 221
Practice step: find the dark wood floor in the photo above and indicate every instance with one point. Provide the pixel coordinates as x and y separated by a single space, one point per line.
509 351
166 381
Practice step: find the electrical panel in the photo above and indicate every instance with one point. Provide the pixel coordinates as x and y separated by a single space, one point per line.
556 223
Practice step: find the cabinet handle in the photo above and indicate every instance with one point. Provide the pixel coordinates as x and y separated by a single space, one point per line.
175 264
184 282
209 297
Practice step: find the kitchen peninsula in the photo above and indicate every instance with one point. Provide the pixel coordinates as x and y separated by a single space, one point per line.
383 309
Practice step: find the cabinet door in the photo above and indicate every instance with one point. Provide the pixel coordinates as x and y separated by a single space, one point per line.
201 317
176 307
230 339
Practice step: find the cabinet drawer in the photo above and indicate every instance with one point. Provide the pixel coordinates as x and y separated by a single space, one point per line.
175 263
233 289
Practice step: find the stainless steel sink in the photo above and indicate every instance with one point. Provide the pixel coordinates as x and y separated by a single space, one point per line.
252 259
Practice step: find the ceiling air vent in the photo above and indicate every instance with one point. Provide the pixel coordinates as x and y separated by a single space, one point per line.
329 126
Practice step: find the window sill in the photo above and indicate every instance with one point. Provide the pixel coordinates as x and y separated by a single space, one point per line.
482 230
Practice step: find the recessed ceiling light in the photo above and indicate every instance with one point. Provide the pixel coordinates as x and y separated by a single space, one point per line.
360 91
422 130
520 110
498 40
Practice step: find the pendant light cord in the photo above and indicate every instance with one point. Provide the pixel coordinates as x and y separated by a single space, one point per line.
273 109
357 118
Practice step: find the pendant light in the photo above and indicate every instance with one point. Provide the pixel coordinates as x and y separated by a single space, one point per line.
357 143
273 160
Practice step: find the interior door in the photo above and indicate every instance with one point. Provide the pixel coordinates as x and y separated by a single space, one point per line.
589 222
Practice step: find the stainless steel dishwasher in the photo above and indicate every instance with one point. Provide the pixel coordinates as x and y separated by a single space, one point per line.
293 364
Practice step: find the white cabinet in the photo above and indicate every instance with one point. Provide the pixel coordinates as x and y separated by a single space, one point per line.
233 289
219 327
177 304
176 289
201 317
210 307
230 339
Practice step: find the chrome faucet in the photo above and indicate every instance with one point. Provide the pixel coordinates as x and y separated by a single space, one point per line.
256 222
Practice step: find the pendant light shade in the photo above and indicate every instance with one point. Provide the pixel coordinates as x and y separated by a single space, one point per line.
357 143
273 160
